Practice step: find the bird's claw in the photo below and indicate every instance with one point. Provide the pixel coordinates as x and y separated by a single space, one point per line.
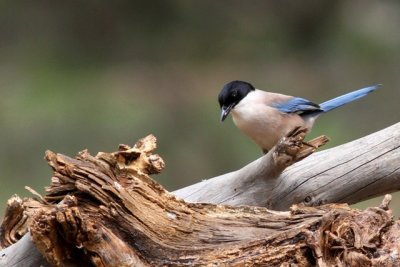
294 146
297 132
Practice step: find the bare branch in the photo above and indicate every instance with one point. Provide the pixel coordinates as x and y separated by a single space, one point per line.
107 211
349 173
252 184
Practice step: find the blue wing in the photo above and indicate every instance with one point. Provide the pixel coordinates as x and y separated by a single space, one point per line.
297 105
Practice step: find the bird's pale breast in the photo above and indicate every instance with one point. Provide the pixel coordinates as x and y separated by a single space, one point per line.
264 124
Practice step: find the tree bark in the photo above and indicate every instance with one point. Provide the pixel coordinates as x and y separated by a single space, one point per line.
22 253
107 211
349 173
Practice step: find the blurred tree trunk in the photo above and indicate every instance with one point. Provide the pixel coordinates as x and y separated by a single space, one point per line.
107 211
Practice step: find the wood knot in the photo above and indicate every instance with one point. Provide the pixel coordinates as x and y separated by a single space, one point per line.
157 164
385 202
293 148
139 158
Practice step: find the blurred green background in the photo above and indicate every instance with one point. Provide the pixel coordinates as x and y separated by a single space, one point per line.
94 74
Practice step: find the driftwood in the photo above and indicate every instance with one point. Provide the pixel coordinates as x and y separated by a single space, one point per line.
349 173
107 211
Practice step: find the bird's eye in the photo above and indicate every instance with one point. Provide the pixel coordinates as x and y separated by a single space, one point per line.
234 94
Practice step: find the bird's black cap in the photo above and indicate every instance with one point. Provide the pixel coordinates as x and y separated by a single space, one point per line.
232 93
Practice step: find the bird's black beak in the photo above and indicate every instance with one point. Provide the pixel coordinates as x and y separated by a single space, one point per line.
225 111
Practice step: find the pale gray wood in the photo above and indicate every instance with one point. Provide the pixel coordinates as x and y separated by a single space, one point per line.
350 173
22 254
356 171
364 168
246 186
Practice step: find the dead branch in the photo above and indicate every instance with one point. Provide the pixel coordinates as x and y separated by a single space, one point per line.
348 173
252 184
107 211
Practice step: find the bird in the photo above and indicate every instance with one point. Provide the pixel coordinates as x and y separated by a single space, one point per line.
266 117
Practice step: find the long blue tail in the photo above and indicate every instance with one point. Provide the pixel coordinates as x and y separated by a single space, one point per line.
347 98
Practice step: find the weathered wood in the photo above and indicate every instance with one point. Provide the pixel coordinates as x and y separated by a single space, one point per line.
107 211
252 184
22 254
348 173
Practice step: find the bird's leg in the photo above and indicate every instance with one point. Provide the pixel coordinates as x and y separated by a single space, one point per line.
297 131
302 149
297 135
290 148
300 133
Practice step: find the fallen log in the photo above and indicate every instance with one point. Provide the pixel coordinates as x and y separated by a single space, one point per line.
349 173
105 210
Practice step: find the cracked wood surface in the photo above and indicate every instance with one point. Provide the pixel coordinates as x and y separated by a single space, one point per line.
107 211
252 184
349 173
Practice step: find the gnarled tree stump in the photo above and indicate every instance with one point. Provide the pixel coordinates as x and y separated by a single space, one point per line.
107 211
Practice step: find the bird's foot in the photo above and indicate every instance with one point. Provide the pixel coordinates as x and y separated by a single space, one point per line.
294 146
298 132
